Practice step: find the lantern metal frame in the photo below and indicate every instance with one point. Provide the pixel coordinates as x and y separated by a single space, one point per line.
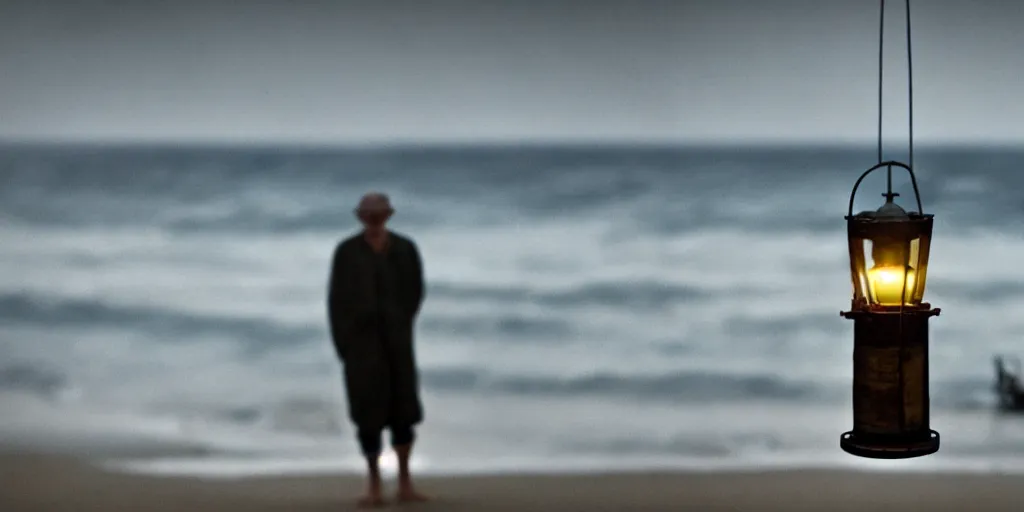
890 382
916 226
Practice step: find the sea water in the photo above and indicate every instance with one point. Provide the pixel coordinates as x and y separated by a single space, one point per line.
588 308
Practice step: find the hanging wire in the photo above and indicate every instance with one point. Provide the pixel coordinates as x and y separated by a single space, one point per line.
881 59
910 90
909 86
910 80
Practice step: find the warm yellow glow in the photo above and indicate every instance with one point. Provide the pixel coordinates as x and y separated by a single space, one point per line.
887 285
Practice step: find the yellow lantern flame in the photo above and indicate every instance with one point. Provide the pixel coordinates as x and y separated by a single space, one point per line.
892 285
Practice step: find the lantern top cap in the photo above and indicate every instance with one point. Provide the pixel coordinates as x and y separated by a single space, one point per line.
889 211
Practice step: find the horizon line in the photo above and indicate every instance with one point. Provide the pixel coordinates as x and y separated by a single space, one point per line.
503 145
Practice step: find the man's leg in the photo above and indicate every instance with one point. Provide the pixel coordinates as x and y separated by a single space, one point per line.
370 443
402 438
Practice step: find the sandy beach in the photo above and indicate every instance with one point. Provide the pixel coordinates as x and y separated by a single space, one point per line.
45 483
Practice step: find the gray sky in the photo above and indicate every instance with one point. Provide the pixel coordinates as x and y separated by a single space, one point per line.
382 71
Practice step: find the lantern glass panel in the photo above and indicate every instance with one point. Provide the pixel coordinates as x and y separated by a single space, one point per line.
889 268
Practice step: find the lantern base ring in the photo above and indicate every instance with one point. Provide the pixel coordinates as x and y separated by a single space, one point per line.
880 449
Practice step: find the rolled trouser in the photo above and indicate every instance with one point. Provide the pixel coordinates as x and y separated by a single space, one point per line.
370 439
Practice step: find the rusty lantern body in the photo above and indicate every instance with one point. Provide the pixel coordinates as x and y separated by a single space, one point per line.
889 266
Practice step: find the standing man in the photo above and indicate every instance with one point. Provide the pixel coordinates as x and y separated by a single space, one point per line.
376 289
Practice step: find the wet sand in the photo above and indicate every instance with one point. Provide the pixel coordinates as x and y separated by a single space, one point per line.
47 483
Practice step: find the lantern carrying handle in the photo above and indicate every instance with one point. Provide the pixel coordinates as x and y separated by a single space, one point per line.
889 165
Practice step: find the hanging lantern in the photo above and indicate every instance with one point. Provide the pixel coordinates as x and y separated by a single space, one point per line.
889 267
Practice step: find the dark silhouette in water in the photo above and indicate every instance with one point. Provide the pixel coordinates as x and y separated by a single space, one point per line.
376 289
1008 386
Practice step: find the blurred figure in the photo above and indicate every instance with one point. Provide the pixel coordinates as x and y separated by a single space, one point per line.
376 289
1008 387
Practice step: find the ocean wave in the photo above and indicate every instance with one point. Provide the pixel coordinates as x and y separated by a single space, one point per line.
626 293
34 378
502 326
49 380
21 308
256 220
980 292
308 414
656 190
704 386
720 444
677 386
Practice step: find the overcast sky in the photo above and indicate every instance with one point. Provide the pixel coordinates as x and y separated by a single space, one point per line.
382 71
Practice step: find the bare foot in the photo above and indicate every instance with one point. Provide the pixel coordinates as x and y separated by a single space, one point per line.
372 501
410 495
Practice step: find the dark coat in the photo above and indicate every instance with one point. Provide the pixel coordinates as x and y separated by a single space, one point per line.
372 304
